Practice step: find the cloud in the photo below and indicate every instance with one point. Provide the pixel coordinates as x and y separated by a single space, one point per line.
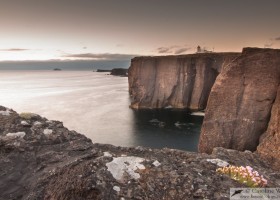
119 45
101 56
278 38
174 49
268 45
164 50
182 50
84 47
14 49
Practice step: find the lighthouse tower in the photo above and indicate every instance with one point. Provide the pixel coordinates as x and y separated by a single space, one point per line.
198 49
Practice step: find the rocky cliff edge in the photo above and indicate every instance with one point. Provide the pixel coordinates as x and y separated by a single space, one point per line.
41 159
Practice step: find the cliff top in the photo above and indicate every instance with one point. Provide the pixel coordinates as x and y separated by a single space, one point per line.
194 55
247 50
210 54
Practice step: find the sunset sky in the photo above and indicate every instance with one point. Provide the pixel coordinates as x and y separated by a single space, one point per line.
121 29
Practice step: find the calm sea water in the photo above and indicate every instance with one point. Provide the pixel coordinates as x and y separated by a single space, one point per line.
97 105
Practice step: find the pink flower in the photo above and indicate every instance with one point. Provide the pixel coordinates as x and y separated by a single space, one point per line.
244 175
249 168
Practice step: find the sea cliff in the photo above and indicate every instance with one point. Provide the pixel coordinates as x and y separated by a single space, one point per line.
183 81
239 91
242 106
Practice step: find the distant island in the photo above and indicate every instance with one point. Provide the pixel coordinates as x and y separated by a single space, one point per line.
56 69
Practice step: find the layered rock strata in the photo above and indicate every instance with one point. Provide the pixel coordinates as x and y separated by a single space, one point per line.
239 105
41 159
175 81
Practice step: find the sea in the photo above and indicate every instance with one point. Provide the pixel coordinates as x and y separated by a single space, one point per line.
97 105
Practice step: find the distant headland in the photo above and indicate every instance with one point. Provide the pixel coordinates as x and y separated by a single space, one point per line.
115 71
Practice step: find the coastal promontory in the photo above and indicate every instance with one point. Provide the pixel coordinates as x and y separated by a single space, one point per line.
182 81
239 91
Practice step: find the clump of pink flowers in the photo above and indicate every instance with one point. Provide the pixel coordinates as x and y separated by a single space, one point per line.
244 175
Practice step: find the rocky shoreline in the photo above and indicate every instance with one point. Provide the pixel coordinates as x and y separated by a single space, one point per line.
41 159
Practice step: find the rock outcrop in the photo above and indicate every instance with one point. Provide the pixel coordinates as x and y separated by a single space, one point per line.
119 72
239 106
41 159
269 148
181 81
103 70
115 71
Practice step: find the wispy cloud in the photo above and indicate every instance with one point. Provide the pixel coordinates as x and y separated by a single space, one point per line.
182 50
174 49
101 56
268 45
164 50
14 49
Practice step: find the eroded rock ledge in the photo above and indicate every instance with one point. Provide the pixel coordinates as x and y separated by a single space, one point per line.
181 81
41 159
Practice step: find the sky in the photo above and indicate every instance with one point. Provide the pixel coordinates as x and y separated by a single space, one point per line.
122 29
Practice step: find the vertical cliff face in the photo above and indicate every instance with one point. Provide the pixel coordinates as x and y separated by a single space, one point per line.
240 102
175 81
269 147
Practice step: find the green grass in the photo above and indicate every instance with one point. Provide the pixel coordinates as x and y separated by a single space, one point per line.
27 115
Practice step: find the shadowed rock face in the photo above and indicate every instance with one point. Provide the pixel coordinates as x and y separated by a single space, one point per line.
175 81
240 102
269 147
41 159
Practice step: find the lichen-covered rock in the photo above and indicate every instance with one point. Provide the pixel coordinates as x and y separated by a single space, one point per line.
269 147
63 164
240 102
181 81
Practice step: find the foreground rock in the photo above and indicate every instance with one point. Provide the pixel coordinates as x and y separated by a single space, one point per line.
181 81
240 102
41 159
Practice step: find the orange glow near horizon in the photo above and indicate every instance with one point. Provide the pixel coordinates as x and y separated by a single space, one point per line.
46 30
